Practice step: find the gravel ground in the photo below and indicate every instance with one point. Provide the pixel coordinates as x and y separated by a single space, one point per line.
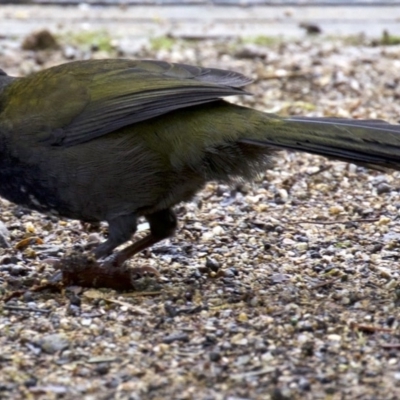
282 289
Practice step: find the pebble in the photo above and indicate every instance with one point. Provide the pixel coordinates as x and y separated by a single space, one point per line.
54 343
4 236
383 188
334 337
215 356
384 221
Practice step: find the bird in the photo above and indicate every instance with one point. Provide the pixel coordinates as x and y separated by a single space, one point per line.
117 139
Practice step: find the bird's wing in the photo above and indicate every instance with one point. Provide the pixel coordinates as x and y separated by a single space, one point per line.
80 101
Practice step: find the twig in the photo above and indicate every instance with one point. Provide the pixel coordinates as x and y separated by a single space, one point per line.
390 346
363 220
29 309
369 328
320 170
326 283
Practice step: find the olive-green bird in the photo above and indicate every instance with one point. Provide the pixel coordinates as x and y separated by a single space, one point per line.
113 140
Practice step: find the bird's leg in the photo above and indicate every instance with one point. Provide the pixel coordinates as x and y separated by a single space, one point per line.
162 225
78 269
120 230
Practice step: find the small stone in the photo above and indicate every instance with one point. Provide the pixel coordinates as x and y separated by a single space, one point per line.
212 264
31 382
383 188
254 301
207 236
229 273
384 221
242 317
384 272
335 210
86 321
29 227
4 236
390 320
176 337
215 356
334 337
53 343
302 246
40 40
218 230
17 270
239 340
70 52
102 368
252 51
304 384
27 296
48 250
396 376
345 300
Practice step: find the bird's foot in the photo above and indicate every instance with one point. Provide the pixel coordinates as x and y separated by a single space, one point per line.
116 261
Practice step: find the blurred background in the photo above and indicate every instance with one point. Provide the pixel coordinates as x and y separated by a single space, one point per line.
131 25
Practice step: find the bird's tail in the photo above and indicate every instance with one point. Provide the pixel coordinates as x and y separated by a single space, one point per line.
372 143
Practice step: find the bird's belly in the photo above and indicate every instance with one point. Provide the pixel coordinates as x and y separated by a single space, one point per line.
75 193
95 181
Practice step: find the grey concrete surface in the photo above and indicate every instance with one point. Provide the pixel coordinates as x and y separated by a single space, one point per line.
201 20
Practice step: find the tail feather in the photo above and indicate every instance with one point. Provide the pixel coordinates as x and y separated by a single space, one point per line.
359 123
373 143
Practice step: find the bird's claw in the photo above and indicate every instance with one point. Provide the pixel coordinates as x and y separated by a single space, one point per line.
111 261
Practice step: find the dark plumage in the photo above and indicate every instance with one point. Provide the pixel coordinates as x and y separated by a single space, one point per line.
112 140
